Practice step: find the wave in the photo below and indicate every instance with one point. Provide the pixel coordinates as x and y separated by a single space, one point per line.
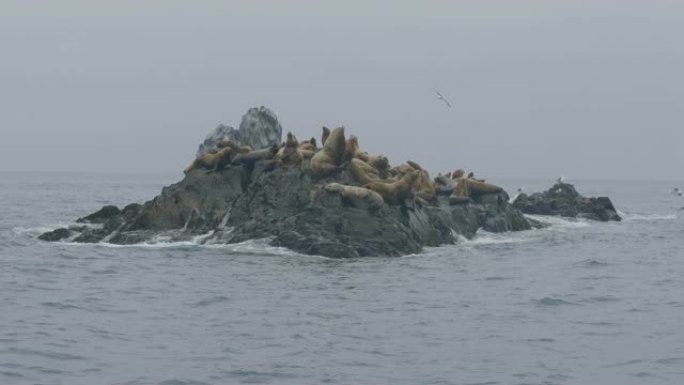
647 217
259 247
559 222
484 238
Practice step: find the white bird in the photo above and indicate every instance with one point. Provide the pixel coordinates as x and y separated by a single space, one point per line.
517 194
677 191
560 179
441 97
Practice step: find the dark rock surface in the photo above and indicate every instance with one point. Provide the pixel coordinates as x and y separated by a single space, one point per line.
563 200
55 235
289 206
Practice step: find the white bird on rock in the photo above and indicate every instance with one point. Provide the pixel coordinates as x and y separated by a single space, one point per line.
517 194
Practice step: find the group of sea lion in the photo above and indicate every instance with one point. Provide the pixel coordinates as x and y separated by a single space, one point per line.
378 181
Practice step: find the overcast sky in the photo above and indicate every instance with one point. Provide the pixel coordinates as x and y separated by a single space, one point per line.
589 89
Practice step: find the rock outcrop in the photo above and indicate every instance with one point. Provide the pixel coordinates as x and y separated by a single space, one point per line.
292 208
563 200
336 201
259 128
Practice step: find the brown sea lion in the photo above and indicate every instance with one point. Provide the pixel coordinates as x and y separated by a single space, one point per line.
256 155
475 187
380 162
324 135
423 187
289 154
458 173
311 141
395 192
328 159
211 161
307 146
356 195
444 185
401 170
363 172
245 149
227 143
413 164
306 154
351 147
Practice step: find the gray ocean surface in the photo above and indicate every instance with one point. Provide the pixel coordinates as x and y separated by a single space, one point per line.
576 303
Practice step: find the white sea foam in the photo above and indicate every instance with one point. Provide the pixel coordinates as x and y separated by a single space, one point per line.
647 217
556 222
484 238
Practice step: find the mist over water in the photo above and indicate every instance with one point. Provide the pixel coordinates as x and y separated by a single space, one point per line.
576 303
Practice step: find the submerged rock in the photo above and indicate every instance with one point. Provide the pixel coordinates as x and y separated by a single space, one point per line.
563 200
55 235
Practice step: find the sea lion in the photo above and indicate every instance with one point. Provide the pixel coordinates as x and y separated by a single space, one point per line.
311 141
325 135
395 192
380 162
413 164
244 149
423 187
211 161
363 172
351 147
460 192
356 195
444 185
307 146
256 155
458 173
328 160
306 154
289 154
401 170
475 187
227 143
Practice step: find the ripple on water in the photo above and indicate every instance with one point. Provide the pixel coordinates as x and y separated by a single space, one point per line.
210 301
44 353
548 301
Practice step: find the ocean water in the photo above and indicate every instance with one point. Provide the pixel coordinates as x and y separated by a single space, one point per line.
576 303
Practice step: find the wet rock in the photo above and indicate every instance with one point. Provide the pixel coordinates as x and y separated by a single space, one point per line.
563 200
260 128
289 206
101 216
55 235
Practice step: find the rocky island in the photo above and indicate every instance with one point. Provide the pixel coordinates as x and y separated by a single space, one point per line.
331 199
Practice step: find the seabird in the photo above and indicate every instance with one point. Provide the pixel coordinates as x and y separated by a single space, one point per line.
440 97
677 191
517 194
560 179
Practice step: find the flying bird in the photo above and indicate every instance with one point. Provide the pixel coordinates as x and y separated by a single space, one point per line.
441 97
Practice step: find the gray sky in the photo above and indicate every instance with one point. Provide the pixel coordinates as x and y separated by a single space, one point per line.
589 89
